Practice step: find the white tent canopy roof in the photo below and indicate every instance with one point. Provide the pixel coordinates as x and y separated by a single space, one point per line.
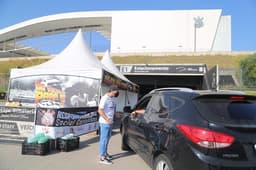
75 59
108 63
76 55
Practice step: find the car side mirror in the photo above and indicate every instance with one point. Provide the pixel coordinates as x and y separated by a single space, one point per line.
127 109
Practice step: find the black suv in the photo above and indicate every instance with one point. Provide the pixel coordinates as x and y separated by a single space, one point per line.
183 129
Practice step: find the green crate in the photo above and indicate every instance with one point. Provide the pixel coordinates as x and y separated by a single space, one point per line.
67 145
35 148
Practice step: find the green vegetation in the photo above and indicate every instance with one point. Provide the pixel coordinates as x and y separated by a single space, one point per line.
224 61
248 67
250 92
6 65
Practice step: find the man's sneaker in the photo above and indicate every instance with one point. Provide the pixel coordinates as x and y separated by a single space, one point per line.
105 161
109 157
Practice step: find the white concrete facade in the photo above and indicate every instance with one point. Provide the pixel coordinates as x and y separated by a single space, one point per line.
170 31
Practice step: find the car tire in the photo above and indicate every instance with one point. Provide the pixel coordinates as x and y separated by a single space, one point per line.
124 145
162 162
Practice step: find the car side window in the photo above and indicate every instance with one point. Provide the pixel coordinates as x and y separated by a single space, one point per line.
157 108
153 106
164 107
176 103
159 104
143 104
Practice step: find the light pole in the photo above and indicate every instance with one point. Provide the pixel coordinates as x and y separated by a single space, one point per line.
198 23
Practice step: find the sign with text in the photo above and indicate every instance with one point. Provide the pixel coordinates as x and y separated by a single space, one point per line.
59 122
17 121
164 69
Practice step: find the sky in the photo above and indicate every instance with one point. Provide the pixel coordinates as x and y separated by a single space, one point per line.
242 12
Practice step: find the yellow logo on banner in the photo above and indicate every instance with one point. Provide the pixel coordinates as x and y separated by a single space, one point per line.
48 92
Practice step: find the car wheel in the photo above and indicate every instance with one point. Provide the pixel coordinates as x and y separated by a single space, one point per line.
124 145
162 162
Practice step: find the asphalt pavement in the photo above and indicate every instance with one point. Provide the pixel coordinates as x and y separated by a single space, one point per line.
84 158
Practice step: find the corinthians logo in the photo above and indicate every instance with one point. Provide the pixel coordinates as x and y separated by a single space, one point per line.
199 22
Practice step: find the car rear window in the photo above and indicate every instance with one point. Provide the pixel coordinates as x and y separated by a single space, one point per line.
227 109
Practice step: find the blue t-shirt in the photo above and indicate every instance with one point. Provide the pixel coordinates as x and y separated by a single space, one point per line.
109 107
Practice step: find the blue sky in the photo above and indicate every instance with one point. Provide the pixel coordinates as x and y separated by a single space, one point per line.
242 12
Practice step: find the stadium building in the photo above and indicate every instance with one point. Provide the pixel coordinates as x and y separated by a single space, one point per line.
135 31
139 32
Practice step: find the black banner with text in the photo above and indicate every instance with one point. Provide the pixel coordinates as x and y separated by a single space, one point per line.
58 122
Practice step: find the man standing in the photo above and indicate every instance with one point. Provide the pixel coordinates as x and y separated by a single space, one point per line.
107 109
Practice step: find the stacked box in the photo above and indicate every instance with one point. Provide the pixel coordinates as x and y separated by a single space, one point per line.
67 145
35 148
52 144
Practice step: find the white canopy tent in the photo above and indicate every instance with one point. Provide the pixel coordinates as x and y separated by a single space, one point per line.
128 97
75 59
74 73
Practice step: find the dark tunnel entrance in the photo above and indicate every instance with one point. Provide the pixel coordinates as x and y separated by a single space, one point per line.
150 82
149 77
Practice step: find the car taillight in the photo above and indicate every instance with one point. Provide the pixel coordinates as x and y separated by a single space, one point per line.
236 97
205 137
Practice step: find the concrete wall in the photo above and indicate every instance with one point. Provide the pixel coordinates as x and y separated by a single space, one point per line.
222 40
167 31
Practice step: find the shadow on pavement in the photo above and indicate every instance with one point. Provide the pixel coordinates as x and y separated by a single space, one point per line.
87 142
94 139
123 154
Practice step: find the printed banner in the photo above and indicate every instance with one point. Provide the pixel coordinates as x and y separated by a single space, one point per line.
59 122
16 121
54 91
110 79
17 114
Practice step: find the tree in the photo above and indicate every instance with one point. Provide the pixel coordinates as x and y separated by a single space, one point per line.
248 68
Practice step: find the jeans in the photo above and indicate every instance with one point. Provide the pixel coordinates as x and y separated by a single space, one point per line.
105 134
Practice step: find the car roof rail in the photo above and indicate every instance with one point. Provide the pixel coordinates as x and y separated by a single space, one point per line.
220 92
184 89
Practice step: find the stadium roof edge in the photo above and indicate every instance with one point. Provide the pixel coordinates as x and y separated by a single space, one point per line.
68 22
